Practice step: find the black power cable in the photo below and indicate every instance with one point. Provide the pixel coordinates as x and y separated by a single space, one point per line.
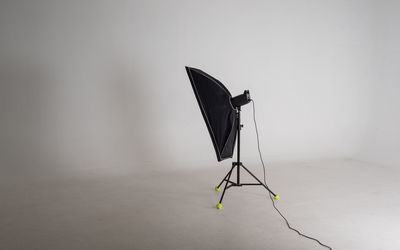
270 196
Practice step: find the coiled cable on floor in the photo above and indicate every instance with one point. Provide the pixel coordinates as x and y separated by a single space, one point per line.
270 196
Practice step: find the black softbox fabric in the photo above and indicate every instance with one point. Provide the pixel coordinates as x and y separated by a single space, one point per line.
218 113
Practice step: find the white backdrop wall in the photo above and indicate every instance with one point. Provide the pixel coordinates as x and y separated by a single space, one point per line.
382 141
101 84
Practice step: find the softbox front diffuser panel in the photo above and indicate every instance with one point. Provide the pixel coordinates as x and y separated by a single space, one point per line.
215 104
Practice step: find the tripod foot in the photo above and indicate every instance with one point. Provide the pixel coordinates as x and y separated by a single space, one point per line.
276 197
216 188
219 206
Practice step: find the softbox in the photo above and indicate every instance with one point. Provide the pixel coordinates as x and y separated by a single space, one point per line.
215 104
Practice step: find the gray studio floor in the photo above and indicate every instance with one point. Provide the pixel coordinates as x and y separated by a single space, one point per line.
345 203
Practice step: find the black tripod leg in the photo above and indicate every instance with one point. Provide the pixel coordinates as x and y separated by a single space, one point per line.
224 179
269 190
219 206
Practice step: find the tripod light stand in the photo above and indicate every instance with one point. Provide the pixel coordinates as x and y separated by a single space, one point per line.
221 113
238 165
